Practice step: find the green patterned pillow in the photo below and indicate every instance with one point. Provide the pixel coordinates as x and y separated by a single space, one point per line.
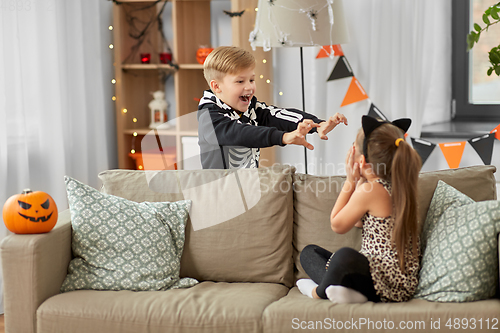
124 245
460 262
445 196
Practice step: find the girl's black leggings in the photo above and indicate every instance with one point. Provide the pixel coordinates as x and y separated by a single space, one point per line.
347 268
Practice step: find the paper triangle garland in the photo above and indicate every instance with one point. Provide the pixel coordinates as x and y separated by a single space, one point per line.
484 147
328 49
423 148
496 130
355 93
341 70
376 113
453 152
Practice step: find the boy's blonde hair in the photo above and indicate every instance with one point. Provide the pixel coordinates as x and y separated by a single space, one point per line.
226 60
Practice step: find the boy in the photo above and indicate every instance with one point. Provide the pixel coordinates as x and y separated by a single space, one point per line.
233 125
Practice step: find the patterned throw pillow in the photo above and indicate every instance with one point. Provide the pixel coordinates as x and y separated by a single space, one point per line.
124 245
445 196
459 263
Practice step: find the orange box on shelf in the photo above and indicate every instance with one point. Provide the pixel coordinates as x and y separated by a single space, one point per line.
155 160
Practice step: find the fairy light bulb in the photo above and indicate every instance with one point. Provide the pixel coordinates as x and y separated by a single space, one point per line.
113 81
268 81
124 110
111 46
135 134
132 151
134 120
256 9
110 27
281 93
113 98
264 61
262 76
140 167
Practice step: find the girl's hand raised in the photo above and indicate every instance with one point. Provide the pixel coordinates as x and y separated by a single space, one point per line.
353 172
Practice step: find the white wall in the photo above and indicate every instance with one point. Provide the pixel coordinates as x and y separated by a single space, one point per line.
399 52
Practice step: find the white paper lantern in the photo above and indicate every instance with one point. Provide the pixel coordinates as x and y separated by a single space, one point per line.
158 107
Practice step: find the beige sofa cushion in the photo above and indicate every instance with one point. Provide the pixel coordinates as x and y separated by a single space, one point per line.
315 196
296 312
207 307
477 182
240 226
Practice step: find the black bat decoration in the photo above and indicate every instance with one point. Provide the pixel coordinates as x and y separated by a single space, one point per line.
233 14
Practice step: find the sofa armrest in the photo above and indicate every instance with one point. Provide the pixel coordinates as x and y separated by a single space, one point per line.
34 267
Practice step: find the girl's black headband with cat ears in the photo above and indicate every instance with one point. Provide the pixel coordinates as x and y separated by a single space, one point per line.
370 124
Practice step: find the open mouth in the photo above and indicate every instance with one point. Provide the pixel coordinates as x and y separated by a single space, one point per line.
245 98
39 219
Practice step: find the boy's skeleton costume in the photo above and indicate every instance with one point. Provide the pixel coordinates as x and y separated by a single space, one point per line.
231 140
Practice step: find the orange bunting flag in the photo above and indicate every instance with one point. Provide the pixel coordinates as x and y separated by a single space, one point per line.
327 50
496 130
355 93
453 152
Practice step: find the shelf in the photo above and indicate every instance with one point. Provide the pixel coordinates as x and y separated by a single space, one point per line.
171 131
190 66
160 66
149 67
457 129
146 131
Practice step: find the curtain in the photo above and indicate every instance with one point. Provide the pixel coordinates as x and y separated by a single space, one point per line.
56 112
400 52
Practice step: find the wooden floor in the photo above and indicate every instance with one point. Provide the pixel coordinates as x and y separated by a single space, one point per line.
2 327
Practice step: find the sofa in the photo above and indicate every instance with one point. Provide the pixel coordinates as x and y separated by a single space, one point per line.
242 245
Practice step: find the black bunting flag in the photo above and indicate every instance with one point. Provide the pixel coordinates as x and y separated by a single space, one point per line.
376 113
341 70
423 148
484 147
233 14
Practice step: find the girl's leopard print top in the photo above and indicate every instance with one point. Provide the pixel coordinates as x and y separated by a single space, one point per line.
391 284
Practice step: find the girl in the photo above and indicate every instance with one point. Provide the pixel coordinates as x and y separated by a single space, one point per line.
379 195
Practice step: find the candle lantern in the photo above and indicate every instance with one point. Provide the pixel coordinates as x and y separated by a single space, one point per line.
158 107
165 57
145 58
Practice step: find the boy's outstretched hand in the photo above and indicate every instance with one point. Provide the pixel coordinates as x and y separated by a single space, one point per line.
326 126
298 137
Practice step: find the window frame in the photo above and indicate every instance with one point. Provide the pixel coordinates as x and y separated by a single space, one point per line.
461 108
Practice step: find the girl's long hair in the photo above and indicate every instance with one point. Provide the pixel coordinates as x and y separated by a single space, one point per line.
401 166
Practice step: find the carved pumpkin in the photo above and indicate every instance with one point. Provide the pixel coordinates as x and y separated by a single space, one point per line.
30 213
202 54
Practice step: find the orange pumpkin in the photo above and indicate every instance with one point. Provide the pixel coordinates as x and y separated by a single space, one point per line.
30 213
202 54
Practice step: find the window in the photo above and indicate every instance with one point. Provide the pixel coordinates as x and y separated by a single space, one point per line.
476 96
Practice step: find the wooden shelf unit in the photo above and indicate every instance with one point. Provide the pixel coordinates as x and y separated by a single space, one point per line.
136 81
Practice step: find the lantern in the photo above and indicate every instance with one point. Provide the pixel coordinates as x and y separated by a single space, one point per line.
30 213
158 107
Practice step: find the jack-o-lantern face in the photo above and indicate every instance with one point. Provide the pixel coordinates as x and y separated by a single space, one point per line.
33 213
30 213
202 53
